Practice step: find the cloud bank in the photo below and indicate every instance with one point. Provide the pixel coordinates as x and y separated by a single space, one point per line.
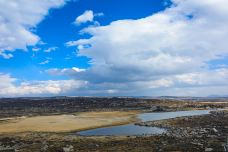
170 50
13 87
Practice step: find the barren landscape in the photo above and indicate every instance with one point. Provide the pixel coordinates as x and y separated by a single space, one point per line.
26 126
113 75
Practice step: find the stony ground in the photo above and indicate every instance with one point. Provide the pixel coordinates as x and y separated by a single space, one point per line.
187 134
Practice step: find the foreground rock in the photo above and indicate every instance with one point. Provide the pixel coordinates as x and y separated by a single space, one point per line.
208 131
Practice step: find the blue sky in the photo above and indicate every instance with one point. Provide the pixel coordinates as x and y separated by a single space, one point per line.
113 47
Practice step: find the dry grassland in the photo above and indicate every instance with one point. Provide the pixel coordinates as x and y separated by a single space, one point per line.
66 123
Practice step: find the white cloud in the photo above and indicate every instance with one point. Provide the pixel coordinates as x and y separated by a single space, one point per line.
44 62
6 55
99 14
36 49
64 71
18 18
218 77
6 80
50 49
87 16
169 49
9 88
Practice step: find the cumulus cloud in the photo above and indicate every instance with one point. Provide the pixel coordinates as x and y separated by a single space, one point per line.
169 49
87 16
13 87
18 18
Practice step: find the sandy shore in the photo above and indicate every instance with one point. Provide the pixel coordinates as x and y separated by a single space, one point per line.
66 123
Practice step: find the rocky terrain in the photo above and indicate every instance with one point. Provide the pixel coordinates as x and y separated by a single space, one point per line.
205 131
185 134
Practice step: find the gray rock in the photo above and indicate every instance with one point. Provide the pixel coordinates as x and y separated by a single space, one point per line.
208 149
7 148
69 148
215 130
157 109
44 148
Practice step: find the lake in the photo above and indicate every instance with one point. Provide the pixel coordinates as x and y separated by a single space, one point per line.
131 129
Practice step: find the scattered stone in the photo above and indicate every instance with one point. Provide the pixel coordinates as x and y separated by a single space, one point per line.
69 148
44 148
208 149
7 148
199 144
215 130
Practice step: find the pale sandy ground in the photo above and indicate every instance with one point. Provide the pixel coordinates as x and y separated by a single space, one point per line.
66 123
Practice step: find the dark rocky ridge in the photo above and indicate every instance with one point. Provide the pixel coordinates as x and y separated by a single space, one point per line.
10 107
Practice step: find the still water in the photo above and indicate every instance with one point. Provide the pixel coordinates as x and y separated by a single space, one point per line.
132 129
